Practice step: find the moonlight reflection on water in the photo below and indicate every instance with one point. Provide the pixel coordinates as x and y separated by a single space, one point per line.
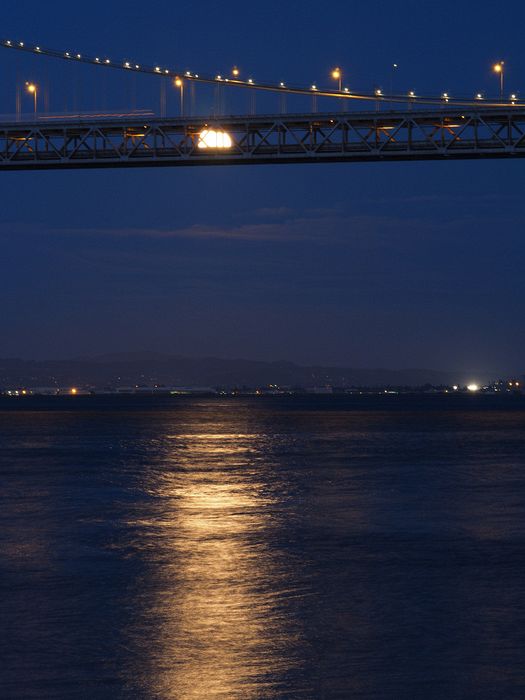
213 622
336 547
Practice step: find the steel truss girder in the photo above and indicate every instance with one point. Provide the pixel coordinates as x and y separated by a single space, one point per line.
299 138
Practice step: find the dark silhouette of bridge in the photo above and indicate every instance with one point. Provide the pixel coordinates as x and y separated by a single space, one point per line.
83 142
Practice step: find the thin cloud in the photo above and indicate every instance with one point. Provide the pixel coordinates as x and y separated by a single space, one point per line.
245 232
274 212
311 226
315 225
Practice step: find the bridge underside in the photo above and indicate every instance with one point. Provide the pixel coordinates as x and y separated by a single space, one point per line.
302 138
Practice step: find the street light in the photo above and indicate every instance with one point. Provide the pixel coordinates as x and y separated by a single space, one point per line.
337 74
392 75
235 72
499 69
180 84
32 89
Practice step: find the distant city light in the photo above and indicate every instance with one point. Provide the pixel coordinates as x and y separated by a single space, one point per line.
210 138
473 387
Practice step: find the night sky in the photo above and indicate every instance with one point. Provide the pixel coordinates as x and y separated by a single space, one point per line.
393 265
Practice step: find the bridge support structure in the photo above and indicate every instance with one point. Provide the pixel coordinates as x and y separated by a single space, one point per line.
105 141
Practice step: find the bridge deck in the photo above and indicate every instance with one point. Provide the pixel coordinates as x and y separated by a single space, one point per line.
301 138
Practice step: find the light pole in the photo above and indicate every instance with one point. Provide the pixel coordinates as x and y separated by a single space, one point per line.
180 84
394 68
499 69
337 74
32 89
379 96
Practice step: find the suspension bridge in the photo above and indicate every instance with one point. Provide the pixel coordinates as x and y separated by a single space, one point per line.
379 127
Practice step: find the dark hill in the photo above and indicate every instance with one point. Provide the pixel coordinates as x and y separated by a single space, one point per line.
154 368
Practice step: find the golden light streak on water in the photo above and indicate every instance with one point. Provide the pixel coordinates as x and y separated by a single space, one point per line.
216 626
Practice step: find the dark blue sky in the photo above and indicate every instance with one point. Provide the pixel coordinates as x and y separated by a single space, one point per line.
399 265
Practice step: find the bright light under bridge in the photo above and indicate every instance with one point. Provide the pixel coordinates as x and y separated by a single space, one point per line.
212 138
